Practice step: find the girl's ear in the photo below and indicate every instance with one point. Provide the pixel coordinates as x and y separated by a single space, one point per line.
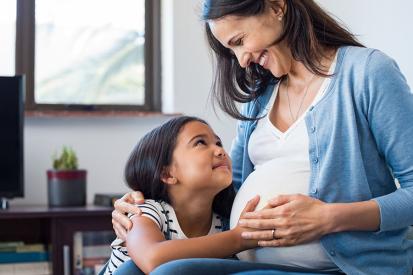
167 178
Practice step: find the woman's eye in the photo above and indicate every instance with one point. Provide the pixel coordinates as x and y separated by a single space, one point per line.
238 42
219 143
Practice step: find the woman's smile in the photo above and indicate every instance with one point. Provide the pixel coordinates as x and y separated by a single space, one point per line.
263 59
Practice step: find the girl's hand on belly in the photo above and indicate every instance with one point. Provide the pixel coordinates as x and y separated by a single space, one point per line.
287 220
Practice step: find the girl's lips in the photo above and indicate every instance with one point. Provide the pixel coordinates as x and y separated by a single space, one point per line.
220 165
222 168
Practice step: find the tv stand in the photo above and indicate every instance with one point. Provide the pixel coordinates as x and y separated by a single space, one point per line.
4 203
54 227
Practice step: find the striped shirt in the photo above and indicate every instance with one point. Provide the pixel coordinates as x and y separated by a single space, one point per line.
165 218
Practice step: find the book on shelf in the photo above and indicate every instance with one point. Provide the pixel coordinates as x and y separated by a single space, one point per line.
77 252
91 263
21 257
21 247
96 251
91 250
34 268
19 252
9 246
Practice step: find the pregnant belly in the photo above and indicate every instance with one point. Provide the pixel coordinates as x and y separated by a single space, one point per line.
268 182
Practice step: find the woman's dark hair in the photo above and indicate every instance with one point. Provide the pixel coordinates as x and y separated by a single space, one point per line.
153 153
308 31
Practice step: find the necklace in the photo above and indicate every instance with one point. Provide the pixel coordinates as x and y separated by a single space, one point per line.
294 118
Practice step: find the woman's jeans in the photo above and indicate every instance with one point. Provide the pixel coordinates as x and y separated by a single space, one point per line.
128 268
210 267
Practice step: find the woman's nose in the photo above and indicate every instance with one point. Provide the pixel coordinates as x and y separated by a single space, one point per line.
244 58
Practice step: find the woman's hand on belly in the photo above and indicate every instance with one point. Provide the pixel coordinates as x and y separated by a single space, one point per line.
245 244
296 219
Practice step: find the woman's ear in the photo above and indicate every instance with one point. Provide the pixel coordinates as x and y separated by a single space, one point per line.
278 7
167 178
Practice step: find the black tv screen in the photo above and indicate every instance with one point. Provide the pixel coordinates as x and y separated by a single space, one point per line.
11 136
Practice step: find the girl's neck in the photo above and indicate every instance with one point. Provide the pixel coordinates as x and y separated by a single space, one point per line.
194 214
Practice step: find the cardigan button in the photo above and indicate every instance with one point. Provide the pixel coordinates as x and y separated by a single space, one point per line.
312 129
315 160
332 253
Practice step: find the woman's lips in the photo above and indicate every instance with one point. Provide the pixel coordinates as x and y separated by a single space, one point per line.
263 60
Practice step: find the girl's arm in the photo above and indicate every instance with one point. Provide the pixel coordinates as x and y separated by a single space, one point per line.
148 248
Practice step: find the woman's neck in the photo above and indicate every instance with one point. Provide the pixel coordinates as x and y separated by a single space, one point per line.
299 74
194 214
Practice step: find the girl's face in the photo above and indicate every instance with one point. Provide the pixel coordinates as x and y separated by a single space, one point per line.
251 40
200 163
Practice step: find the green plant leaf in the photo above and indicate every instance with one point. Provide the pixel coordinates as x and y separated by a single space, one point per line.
66 161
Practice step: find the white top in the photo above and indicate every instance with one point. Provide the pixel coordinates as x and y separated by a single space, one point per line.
282 166
165 218
268 143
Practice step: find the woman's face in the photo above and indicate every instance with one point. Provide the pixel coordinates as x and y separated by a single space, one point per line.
199 160
251 39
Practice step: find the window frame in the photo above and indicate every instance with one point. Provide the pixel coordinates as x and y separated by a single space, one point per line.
25 62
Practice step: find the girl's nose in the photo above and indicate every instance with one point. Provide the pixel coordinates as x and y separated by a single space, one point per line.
220 152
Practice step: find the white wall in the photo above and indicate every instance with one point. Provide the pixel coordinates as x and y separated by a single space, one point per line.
103 144
380 24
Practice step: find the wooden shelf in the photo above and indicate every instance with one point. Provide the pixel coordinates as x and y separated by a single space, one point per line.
53 226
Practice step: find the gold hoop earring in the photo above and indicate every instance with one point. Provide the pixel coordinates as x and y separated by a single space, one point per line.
280 18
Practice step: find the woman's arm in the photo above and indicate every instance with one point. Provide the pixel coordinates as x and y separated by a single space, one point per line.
148 248
390 111
355 216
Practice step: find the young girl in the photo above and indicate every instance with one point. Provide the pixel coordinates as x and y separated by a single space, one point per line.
186 176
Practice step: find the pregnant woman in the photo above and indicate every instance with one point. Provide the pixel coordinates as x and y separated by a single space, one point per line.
325 129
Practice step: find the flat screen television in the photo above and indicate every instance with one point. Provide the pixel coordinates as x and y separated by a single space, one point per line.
11 136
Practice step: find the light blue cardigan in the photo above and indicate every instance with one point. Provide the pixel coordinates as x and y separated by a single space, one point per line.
360 136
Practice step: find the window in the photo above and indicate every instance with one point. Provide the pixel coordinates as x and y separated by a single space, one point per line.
89 54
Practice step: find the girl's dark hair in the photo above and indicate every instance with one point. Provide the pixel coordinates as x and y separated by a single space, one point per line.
153 153
308 31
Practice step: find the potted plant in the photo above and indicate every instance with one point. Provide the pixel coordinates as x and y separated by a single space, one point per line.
66 184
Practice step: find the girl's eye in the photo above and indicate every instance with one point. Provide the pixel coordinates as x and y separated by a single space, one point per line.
219 143
200 142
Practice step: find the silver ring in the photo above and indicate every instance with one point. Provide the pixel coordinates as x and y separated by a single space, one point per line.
273 233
